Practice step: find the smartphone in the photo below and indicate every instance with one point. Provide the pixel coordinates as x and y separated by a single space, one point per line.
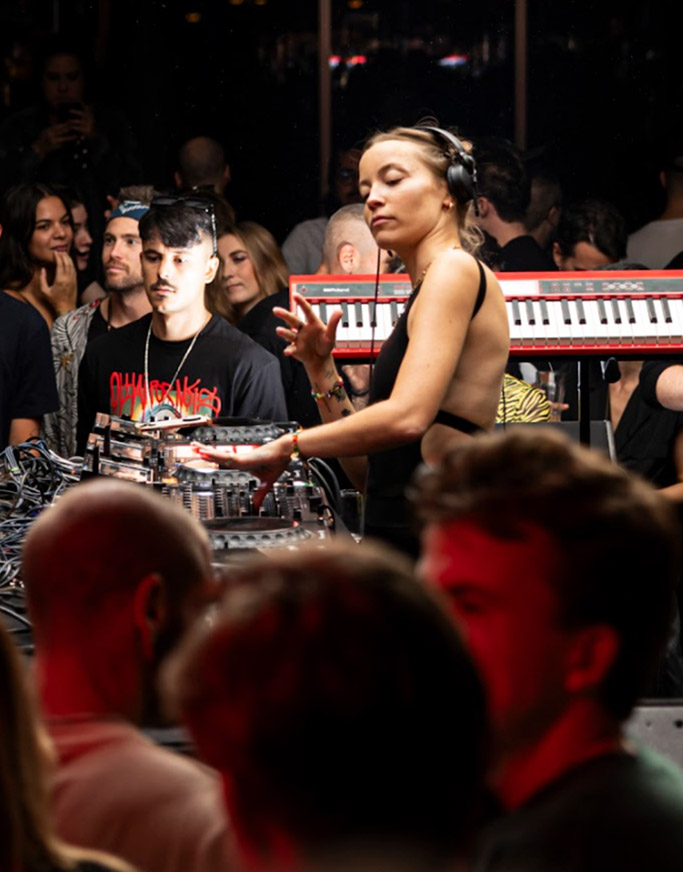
64 111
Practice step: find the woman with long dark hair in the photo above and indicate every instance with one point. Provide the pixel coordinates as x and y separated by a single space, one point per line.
35 261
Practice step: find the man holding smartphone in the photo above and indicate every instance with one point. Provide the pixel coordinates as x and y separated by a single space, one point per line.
68 139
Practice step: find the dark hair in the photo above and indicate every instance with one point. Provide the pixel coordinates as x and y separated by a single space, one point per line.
225 214
594 221
336 694
502 178
616 538
141 193
178 225
545 193
18 221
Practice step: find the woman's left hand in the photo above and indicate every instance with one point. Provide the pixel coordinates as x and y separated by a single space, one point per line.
267 462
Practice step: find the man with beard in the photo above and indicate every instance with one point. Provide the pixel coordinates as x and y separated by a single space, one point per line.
180 360
126 302
104 618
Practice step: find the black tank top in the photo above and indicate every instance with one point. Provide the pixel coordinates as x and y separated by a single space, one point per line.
387 514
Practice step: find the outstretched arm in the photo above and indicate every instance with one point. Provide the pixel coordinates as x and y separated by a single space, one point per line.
439 324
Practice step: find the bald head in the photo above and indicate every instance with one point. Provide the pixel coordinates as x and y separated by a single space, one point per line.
349 246
201 163
89 553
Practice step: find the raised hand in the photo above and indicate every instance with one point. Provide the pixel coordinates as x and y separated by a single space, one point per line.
311 341
62 293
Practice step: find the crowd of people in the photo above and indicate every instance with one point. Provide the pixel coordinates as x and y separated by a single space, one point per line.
450 696
345 710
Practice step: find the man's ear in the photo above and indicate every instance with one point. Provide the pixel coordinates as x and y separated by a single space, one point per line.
227 175
178 179
592 655
211 269
484 205
150 610
557 256
348 258
553 216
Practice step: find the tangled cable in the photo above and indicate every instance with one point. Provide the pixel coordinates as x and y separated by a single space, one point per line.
31 477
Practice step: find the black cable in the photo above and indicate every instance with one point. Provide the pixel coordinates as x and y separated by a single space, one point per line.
330 485
373 324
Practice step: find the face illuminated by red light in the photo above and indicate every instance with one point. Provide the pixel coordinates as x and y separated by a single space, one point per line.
503 600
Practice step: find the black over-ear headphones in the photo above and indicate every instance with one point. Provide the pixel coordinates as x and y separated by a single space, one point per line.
461 175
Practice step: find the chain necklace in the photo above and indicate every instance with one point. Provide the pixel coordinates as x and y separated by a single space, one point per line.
175 374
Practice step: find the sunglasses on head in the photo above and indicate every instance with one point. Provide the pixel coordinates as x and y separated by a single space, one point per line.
193 203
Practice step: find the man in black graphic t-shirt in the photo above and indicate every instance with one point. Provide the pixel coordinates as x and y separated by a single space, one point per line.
180 360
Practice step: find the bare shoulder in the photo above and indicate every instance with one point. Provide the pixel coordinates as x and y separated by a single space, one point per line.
456 265
453 277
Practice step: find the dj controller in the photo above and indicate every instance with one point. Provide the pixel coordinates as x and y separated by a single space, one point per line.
298 509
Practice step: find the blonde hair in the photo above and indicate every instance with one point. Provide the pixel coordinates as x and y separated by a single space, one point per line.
270 267
28 841
438 155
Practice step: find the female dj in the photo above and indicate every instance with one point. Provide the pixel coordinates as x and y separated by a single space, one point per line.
437 380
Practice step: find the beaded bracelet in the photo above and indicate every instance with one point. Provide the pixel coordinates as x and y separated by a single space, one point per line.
295 453
335 391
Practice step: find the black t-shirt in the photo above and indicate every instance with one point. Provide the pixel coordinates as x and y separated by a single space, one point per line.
618 812
524 254
259 323
646 433
27 378
225 374
98 326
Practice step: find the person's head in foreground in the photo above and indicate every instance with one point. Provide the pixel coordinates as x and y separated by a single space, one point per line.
114 574
28 841
334 695
560 568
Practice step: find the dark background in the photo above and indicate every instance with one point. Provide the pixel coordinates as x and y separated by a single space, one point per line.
605 84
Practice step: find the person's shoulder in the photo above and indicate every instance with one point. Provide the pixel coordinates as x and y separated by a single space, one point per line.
649 375
523 254
615 811
231 342
70 318
260 317
628 789
651 228
660 778
452 271
15 313
102 748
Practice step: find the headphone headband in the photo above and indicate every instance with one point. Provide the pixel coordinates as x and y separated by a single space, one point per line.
461 175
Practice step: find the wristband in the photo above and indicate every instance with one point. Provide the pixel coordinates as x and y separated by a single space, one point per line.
295 454
335 391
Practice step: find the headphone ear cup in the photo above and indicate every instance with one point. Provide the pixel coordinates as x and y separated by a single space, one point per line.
460 183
